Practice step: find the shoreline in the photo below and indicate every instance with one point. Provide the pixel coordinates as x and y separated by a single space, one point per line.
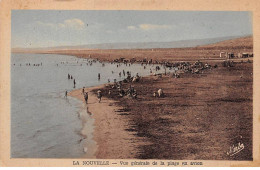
184 124
202 115
109 127
204 52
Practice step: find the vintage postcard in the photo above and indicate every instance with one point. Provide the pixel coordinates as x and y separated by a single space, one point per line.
129 83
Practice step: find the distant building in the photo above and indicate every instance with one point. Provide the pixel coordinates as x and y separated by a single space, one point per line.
223 55
245 55
231 55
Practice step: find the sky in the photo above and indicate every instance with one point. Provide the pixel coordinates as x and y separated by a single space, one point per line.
50 28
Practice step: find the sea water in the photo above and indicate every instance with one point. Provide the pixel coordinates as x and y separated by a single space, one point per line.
45 124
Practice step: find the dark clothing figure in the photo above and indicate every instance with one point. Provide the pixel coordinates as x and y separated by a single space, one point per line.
98 76
74 82
99 95
66 94
86 97
68 76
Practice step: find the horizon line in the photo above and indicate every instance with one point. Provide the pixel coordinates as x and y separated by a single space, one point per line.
235 36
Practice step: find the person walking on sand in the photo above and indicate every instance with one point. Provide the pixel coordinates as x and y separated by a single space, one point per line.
86 97
66 94
99 96
74 82
83 90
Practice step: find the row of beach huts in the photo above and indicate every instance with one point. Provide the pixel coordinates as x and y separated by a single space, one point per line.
230 55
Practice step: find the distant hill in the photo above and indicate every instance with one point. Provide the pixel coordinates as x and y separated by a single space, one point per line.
147 45
242 42
202 52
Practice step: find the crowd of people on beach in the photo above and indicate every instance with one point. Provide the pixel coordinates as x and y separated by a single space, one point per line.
130 92
175 71
176 68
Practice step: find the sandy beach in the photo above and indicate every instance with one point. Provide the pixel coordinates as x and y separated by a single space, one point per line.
165 87
200 117
113 141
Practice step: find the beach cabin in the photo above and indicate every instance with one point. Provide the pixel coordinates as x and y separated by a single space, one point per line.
245 55
223 54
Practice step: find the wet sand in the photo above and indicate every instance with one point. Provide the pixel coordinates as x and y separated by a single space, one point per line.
113 141
200 117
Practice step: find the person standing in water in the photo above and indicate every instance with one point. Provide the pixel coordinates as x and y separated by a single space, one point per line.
66 94
74 82
86 97
98 76
99 96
